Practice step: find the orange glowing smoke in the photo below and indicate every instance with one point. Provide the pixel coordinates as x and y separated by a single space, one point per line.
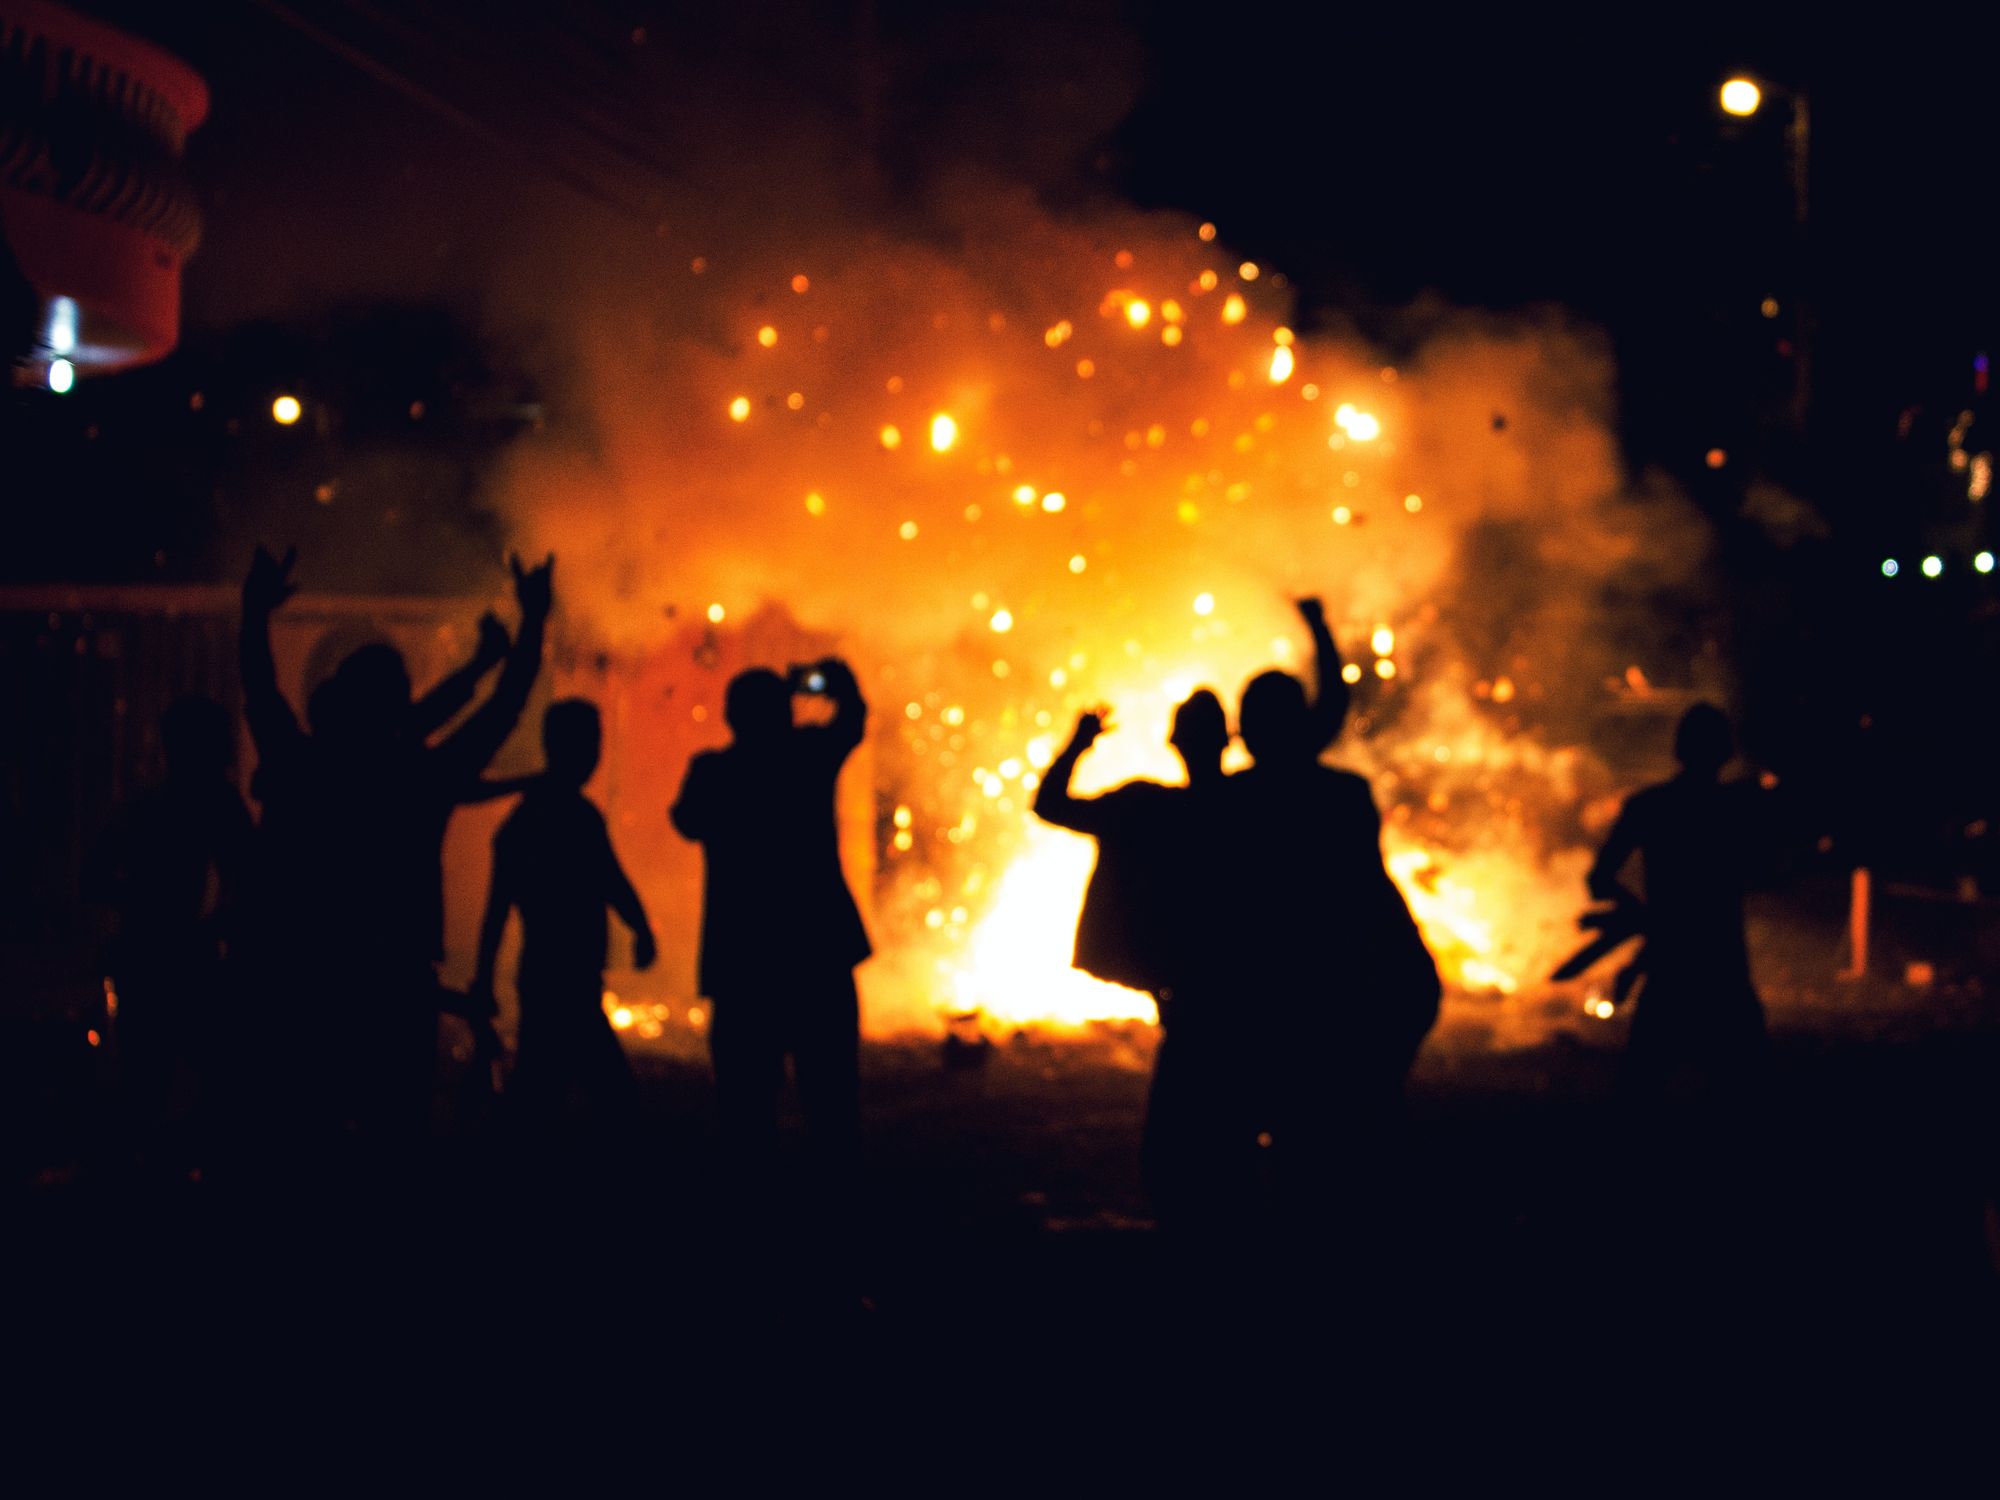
1040 553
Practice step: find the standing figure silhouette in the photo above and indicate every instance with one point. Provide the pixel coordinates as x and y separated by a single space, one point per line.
780 933
1698 1022
1150 921
553 861
171 870
1156 916
349 921
1338 990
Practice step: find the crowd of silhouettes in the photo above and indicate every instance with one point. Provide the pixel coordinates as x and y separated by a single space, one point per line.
1294 988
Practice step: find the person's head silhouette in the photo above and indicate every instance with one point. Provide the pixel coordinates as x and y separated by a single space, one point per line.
572 738
1274 719
757 706
1201 731
1703 741
198 739
372 692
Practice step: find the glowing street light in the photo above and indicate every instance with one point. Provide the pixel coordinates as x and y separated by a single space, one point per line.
1982 562
1933 566
1740 97
62 376
286 410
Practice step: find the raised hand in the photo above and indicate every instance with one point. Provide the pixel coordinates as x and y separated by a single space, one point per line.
1311 609
1088 727
269 581
534 587
494 642
839 676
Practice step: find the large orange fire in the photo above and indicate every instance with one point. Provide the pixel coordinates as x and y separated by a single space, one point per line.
1048 466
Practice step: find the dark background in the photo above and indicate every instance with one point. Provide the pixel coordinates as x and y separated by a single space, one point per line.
360 163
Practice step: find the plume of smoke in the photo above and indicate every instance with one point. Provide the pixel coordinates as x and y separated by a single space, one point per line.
751 426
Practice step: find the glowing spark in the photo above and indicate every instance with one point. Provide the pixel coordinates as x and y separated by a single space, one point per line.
892 436
796 401
1351 673
739 409
1085 368
1768 307
284 411
1715 458
903 817
1281 364
1205 233
1413 503
815 503
1204 604
1385 669
801 285
1171 335
1078 563
1503 690
944 432
1058 335
1249 270
1024 494
767 336
1054 501
715 614
1138 312
1206 281
1234 309
1361 426
1283 336
1383 640
907 531
1342 515
1002 621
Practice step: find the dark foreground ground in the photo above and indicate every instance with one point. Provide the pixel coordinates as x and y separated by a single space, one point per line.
1542 1278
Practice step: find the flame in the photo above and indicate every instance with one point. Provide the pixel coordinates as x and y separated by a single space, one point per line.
1098 517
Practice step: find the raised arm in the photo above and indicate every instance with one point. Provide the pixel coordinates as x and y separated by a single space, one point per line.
469 748
1330 695
850 709
442 703
1053 802
273 726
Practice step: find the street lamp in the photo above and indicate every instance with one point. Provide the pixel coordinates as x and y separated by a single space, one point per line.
1741 96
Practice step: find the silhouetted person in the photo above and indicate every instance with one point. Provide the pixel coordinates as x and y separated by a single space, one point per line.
1338 988
171 870
1149 921
1698 1020
780 933
350 884
1155 917
553 862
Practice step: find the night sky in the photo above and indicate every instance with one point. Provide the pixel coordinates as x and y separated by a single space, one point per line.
362 169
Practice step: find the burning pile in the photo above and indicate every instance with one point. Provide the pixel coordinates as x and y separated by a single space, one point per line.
1024 467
